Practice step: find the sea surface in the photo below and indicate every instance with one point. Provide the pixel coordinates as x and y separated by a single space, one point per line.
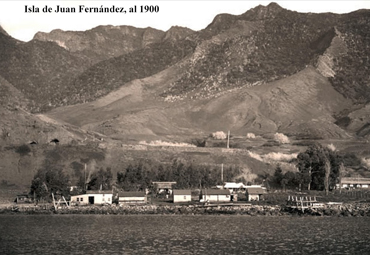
179 234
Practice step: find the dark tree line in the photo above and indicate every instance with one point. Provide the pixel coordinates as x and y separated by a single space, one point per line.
139 176
136 176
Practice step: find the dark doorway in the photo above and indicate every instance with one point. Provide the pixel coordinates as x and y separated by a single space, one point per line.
91 200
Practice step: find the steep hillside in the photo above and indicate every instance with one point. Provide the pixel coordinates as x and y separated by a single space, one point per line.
262 45
40 70
352 68
106 76
103 42
301 105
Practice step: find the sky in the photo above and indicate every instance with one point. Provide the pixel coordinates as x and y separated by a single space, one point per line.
193 14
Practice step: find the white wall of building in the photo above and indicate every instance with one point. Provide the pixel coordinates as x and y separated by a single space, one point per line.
98 199
216 198
181 198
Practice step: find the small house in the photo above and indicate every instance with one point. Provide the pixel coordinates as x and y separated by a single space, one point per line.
23 198
181 195
215 195
93 197
133 197
255 193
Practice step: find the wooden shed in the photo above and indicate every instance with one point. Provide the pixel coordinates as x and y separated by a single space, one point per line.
181 195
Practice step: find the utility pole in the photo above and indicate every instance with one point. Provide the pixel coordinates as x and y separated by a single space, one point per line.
228 139
85 185
222 173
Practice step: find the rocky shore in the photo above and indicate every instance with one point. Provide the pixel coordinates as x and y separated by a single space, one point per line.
348 209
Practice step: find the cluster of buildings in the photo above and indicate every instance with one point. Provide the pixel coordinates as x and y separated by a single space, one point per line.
222 194
229 192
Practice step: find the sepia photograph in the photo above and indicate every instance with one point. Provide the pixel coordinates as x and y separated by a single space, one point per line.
184 127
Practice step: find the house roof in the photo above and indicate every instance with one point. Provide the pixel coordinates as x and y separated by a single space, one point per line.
164 185
215 192
354 180
131 194
181 192
256 191
234 185
99 192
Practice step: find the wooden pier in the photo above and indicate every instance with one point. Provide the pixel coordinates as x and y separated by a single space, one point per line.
302 203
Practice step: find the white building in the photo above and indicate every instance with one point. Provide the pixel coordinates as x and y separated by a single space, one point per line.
93 197
255 193
354 182
215 195
181 195
133 197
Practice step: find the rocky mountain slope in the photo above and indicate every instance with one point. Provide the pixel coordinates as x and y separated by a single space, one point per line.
104 42
246 53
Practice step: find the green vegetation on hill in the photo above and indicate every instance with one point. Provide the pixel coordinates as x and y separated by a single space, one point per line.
276 46
111 74
40 70
352 69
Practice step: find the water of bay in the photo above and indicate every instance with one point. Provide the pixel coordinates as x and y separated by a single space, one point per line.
179 234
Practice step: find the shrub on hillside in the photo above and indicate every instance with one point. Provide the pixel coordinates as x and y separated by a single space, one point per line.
281 138
366 162
219 135
251 136
278 156
331 147
163 143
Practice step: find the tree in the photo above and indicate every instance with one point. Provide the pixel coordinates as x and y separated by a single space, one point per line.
319 167
101 179
278 175
292 180
50 180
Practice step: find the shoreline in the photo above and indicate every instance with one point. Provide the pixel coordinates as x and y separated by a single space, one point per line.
357 209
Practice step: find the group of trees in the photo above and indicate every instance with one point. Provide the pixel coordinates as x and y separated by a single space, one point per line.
136 176
54 180
140 176
319 168
47 181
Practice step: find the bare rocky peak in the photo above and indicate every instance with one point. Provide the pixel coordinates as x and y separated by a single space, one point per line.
177 33
151 35
263 12
103 42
